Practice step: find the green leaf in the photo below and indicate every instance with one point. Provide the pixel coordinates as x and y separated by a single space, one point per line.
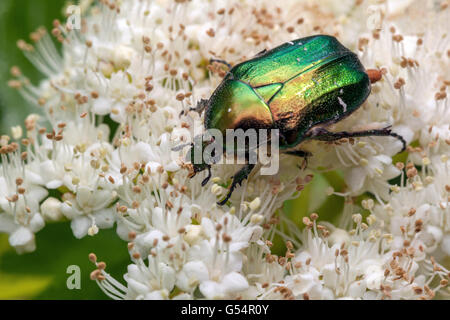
297 208
314 199
14 286
4 244
43 273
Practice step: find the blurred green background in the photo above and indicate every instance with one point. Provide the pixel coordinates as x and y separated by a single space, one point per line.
42 274
17 19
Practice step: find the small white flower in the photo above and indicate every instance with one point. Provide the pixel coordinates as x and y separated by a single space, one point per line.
89 208
146 69
51 209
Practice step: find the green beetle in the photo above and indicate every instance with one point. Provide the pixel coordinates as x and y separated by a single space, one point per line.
298 88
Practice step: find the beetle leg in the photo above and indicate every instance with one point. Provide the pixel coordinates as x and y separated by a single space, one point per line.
205 181
199 168
220 61
238 178
323 134
301 154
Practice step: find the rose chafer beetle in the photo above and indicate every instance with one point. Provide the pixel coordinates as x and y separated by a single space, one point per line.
299 88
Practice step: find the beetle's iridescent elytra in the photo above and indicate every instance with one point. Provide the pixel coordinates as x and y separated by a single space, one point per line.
299 87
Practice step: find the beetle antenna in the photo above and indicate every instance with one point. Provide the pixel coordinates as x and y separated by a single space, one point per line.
399 137
201 105
220 61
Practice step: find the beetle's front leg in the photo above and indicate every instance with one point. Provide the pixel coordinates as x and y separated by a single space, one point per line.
322 134
205 181
238 178
199 168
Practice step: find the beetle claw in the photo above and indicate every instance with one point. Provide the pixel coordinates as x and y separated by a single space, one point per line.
221 203
303 165
191 174
238 178
205 181
302 154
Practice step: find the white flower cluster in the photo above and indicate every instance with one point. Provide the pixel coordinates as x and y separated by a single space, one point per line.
117 101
